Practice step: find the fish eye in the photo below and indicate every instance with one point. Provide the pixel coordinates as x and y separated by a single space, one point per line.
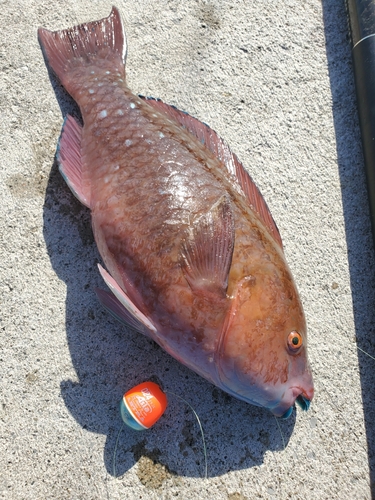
294 341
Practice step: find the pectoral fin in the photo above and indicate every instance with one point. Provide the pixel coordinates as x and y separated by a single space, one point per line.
207 250
121 296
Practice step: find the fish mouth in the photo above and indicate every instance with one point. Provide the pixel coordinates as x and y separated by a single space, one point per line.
303 403
295 395
287 414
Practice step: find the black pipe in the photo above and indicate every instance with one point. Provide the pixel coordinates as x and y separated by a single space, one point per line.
362 26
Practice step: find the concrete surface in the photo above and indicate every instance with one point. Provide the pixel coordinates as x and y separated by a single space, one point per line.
274 78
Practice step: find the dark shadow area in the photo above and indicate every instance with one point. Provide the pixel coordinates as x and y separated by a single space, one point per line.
109 360
361 254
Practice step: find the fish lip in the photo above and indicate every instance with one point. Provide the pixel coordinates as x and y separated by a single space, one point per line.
293 395
287 414
303 402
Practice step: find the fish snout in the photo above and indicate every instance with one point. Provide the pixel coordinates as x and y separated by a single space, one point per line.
300 391
301 396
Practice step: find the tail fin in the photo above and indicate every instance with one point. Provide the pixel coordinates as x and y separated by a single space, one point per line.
100 42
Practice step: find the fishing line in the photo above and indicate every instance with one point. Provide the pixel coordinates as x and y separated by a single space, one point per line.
115 451
282 435
364 352
200 427
335 407
132 405
340 413
276 460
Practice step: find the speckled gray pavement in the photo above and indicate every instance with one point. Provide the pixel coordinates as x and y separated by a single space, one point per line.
275 79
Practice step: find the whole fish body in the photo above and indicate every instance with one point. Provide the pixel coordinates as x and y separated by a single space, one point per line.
194 258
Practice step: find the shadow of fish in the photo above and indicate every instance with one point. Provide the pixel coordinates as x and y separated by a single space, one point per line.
195 259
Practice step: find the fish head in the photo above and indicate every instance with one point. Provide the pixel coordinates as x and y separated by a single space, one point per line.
262 352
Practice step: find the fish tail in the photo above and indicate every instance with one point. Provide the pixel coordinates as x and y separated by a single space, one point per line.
73 52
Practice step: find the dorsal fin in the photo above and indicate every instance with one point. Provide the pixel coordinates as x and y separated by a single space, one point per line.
221 150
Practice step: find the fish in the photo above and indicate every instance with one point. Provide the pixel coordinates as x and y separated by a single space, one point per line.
192 256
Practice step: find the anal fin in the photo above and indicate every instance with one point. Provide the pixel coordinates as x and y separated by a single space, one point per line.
115 307
207 250
125 301
69 159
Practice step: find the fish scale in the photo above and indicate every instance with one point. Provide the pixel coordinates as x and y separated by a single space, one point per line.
152 245
194 258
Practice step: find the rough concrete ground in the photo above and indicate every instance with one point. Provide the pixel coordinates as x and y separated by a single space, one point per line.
275 80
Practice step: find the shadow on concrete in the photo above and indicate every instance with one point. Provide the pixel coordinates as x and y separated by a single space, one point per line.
109 359
361 254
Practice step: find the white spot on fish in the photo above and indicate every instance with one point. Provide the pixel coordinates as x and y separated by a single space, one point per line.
119 112
100 84
114 83
132 105
113 200
120 80
91 91
106 180
116 167
161 135
107 72
92 72
102 114
128 142
155 116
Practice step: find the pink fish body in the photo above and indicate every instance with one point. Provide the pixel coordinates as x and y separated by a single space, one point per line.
194 258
